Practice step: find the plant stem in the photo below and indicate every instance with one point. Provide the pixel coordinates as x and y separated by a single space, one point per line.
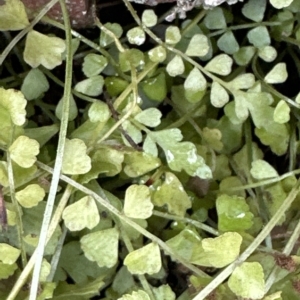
197 224
59 157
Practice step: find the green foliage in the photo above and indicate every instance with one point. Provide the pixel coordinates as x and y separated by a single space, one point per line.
49 52
260 169
13 105
282 112
155 88
34 84
149 117
247 281
176 66
173 35
218 95
136 36
76 161
13 16
74 263
182 148
140 193
78 291
277 75
101 247
7 270
254 10
218 252
99 112
281 4
106 161
172 194
42 134
198 46
195 86
149 18
157 54
139 295
131 58
180 155
164 292
115 85
106 39
73 111
215 19
30 196
93 64
23 151
144 260
233 213
93 86
259 37
8 254
89 216
138 164
220 65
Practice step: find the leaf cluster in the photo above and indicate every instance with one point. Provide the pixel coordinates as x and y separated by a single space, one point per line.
183 151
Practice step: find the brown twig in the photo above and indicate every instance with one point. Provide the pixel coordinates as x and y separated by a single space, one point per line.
3 215
115 115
